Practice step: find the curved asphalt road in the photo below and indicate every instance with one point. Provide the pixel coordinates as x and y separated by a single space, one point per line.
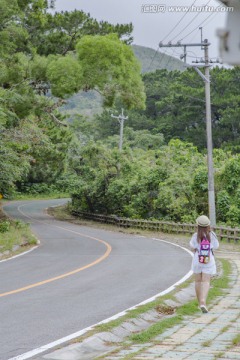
77 277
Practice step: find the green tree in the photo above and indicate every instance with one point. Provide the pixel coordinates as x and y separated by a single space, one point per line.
37 53
110 66
176 103
65 75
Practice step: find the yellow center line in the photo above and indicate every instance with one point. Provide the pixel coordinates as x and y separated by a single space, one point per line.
40 283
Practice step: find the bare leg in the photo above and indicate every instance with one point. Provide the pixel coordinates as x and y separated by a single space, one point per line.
198 282
205 285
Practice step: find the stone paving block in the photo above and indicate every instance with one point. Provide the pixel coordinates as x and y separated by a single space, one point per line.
120 332
170 341
215 327
112 358
196 325
158 349
226 336
217 346
130 327
236 305
204 336
225 304
168 333
140 323
172 303
176 355
231 312
126 352
88 351
231 355
200 356
145 357
190 346
108 337
208 351
235 327
226 319
180 337
204 319
151 316
191 331
186 294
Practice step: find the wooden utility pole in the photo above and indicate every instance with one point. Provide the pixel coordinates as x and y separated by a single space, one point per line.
211 193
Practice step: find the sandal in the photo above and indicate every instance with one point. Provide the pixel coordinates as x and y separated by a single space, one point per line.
204 309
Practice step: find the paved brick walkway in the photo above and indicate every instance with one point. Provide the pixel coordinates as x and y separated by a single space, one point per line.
202 336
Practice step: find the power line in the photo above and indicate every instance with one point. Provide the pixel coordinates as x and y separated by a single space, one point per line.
197 27
163 54
171 57
152 59
185 27
189 23
179 21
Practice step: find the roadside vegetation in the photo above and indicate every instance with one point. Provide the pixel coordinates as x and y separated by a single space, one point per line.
170 316
161 172
219 286
15 237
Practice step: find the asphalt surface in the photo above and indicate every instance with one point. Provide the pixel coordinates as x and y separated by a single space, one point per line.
77 277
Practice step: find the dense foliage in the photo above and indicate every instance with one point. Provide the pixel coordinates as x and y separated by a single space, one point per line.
177 103
46 57
169 182
38 59
175 107
157 176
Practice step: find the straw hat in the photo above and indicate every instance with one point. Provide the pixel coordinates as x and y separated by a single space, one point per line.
203 221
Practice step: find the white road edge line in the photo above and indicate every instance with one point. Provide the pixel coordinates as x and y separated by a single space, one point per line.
35 247
70 337
16 256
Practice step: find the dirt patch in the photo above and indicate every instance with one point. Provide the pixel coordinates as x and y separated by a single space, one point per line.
165 310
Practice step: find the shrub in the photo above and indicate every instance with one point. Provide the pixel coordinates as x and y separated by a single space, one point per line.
4 226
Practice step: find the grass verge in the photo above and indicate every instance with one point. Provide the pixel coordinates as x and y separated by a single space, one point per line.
57 195
190 308
159 305
17 237
236 340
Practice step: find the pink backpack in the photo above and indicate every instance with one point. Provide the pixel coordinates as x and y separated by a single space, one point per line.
205 250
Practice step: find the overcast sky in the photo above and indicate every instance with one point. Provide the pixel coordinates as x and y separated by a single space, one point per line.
165 24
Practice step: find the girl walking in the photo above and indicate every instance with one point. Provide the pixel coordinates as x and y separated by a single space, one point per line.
203 242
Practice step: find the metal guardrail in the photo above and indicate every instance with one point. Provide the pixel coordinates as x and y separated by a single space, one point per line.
223 233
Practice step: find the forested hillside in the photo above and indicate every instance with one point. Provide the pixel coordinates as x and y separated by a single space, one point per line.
90 103
46 58
152 60
161 172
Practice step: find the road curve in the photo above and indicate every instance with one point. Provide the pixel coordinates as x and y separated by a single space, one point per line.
77 277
